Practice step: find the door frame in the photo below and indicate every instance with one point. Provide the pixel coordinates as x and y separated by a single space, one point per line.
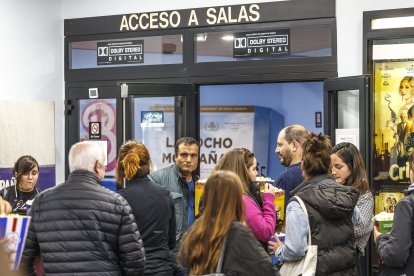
363 84
111 90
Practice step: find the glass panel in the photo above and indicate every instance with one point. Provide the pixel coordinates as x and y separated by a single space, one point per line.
393 49
158 139
157 50
393 22
305 41
230 117
103 111
348 109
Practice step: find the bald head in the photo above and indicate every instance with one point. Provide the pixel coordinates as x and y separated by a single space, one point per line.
86 156
294 133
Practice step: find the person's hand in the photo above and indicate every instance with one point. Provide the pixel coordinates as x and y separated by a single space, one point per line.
273 246
7 251
376 233
269 189
5 207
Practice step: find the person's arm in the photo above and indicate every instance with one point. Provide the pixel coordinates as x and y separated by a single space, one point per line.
296 239
261 223
130 247
5 207
365 224
172 226
394 248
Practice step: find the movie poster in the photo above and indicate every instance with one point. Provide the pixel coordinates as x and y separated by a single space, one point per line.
393 130
386 201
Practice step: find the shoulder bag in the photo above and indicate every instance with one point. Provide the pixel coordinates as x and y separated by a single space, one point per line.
307 265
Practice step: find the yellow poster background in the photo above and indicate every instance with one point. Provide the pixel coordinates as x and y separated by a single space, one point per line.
387 77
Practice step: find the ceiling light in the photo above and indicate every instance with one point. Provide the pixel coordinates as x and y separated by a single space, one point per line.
228 37
202 37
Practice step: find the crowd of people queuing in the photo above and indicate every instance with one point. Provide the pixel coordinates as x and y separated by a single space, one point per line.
149 226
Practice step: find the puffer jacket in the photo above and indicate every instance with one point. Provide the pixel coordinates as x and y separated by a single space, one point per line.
81 228
330 208
172 179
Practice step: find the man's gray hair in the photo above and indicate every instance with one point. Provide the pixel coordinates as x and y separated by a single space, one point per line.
83 156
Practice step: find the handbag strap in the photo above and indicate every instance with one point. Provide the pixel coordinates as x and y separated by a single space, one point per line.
221 258
307 217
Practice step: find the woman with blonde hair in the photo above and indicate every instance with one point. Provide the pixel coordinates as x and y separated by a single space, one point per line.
151 204
260 214
221 227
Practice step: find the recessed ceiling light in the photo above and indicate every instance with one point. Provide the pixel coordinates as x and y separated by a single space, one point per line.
228 37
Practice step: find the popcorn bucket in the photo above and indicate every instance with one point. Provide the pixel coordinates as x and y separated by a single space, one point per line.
14 228
198 191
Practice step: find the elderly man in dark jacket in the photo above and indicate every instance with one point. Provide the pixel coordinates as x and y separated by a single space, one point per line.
81 228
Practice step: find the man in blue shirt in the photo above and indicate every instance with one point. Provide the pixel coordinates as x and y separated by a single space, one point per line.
289 149
179 179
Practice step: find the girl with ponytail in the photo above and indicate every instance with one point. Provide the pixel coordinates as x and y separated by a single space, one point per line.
151 204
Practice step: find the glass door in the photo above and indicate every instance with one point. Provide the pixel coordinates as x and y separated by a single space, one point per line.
92 113
158 115
109 114
348 119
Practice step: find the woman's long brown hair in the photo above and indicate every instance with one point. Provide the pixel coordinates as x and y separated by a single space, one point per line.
233 161
201 246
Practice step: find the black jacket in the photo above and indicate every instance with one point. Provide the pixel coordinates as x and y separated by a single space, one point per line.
396 249
244 255
330 208
82 228
153 209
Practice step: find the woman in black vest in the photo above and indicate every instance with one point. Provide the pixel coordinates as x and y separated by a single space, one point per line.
21 195
330 208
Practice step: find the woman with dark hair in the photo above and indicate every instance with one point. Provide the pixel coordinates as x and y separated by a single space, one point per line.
260 214
151 204
348 169
21 195
396 249
221 227
330 208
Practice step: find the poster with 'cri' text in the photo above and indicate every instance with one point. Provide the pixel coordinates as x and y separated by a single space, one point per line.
393 128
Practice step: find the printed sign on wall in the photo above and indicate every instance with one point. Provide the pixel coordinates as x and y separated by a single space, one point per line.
104 112
268 43
120 52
